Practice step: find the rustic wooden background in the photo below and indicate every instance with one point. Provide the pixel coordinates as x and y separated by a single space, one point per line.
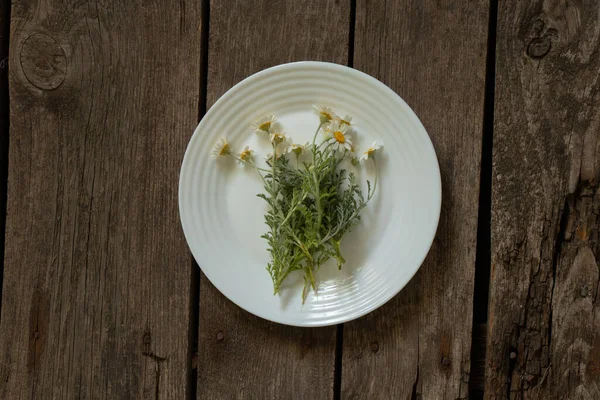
101 298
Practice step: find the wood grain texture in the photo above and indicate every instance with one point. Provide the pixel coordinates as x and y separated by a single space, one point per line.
104 97
4 126
240 355
544 319
433 54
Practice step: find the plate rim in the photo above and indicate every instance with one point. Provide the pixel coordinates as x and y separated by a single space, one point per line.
338 68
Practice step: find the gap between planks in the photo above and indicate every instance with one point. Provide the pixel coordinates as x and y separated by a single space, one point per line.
483 253
195 281
339 342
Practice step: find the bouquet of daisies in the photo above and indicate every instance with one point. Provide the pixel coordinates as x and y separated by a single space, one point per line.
312 201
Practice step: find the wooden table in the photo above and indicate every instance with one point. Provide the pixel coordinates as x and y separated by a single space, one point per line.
101 298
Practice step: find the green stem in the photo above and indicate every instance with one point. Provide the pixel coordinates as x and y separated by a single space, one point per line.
311 276
294 208
302 247
274 161
249 164
315 180
375 182
304 290
257 169
336 246
314 141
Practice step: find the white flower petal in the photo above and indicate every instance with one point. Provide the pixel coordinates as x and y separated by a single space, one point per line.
277 138
221 148
325 114
347 120
264 124
245 155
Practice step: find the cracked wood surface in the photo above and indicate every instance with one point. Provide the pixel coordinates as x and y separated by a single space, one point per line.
96 298
241 355
544 319
434 56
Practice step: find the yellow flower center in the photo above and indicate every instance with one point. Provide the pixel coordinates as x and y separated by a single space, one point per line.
370 151
326 115
265 126
343 121
245 155
224 149
297 149
339 136
278 137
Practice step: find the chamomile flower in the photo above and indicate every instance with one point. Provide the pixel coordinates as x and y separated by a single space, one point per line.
264 124
325 114
340 139
347 120
277 138
246 155
222 148
297 149
370 153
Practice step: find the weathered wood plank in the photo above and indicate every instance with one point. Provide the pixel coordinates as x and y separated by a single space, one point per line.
434 56
544 320
240 355
4 124
104 97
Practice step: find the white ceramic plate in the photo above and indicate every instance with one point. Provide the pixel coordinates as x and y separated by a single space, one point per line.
223 219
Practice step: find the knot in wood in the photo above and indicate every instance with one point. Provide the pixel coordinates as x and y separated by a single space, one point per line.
539 47
513 355
43 61
584 291
36 334
147 339
220 336
445 362
374 347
